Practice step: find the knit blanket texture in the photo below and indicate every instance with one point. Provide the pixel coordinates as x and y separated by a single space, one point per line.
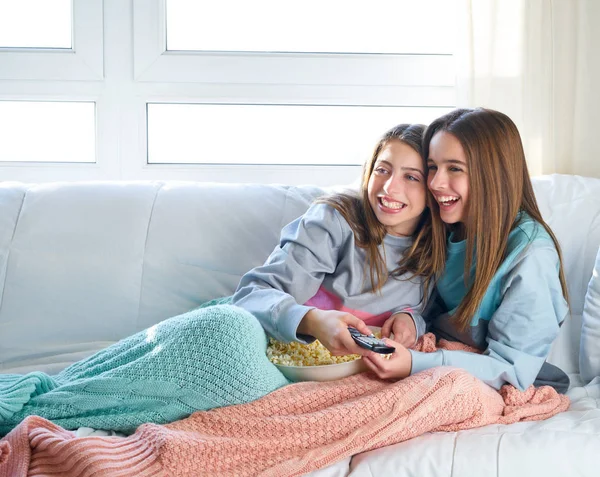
210 357
289 432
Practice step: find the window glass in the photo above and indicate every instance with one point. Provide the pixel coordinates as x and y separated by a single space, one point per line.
272 134
35 23
330 26
34 131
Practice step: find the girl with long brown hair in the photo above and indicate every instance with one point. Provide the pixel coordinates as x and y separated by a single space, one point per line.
503 288
353 259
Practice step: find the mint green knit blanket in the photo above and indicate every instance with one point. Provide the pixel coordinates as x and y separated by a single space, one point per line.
210 357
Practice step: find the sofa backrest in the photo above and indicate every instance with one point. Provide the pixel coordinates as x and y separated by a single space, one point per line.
83 265
571 206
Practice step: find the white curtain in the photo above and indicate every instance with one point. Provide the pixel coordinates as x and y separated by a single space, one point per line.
538 62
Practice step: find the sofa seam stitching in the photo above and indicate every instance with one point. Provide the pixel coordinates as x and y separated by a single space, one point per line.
8 252
137 319
454 443
498 454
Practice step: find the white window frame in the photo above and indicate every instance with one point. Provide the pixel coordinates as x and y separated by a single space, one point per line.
105 167
84 61
65 74
154 63
274 78
128 68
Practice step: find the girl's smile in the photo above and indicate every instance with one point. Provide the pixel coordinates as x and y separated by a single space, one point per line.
389 205
448 177
396 188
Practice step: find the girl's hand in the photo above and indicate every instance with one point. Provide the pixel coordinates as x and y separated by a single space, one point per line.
402 326
330 327
397 366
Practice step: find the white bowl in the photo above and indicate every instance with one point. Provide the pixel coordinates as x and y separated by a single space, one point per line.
326 372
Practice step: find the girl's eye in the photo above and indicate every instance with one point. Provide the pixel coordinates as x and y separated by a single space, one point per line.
455 169
432 167
412 178
381 170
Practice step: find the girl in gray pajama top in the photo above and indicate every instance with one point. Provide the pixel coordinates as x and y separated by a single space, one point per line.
353 259
319 265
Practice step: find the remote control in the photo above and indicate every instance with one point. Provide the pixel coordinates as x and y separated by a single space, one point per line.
370 342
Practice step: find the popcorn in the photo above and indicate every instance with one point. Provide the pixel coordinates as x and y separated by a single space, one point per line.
297 354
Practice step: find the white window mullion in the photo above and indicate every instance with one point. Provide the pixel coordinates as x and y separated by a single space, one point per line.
149 34
88 36
300 68
353 95
132 140
110 128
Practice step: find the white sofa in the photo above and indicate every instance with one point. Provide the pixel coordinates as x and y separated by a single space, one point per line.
83 265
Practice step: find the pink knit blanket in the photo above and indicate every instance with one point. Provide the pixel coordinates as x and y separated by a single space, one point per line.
292 431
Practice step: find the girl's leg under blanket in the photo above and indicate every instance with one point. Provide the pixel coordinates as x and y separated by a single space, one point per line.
206 358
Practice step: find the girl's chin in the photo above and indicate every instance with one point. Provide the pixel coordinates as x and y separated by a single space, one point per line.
451 220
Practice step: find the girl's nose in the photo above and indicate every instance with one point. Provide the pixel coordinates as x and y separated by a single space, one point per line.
392 185
437 180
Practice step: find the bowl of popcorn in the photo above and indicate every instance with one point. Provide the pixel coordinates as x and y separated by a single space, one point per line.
314 362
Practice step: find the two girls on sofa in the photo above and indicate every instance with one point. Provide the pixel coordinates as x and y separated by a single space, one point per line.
503 289
352 259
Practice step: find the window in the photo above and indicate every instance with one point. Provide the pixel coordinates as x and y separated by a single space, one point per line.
310 26
271 134
253 69
51 40
203 90
35 131
49 27
404 56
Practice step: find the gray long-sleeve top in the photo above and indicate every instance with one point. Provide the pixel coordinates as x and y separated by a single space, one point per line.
317 264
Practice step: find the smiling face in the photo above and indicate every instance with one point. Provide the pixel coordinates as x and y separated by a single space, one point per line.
396 189
448 177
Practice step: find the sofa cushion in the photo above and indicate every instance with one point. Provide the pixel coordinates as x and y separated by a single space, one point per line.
589 357
570 205
563 445
203 237
72 270
83 265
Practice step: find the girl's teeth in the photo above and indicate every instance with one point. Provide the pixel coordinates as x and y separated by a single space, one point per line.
392 205
447 200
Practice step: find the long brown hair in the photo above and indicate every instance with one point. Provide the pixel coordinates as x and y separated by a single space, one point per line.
369 232
499 188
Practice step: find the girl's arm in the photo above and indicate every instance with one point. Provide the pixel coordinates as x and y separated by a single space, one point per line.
522 329
293 273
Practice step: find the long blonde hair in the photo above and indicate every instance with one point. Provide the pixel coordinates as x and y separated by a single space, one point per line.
369 232
499 188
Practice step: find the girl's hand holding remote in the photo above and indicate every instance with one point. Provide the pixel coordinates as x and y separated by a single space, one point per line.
330 327
397 366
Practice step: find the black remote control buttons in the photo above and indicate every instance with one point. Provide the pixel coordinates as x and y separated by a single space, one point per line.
370 342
